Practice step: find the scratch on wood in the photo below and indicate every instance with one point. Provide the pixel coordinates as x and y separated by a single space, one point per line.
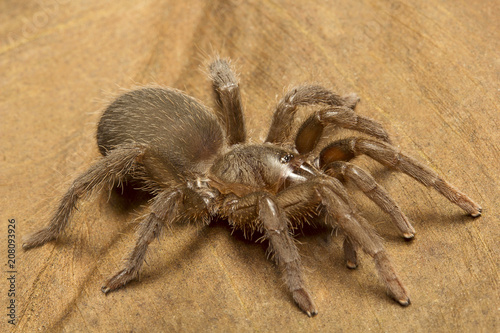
228 277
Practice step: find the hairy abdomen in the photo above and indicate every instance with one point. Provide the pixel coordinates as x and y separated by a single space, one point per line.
179 131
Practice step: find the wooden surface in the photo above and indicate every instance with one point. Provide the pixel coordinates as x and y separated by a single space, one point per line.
428 72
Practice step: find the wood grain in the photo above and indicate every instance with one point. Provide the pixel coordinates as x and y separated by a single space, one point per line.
428 71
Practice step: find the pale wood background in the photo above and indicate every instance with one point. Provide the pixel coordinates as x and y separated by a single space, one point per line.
427 70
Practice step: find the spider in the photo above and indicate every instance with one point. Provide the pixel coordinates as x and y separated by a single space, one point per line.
198 166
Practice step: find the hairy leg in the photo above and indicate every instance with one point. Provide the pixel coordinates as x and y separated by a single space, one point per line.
226 87
389 156
360 234
164 210
275 225
311 130
283 117
261 208
109 169
365 182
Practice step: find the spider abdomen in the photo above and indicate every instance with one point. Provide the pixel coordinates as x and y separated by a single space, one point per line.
177 129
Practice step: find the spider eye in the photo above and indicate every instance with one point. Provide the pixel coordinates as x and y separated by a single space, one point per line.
286 158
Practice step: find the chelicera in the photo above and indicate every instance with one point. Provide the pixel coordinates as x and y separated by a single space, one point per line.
198 165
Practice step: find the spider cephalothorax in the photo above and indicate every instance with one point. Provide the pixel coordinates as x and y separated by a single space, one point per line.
197 166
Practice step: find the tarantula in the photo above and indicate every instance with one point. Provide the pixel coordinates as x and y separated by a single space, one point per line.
198 166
